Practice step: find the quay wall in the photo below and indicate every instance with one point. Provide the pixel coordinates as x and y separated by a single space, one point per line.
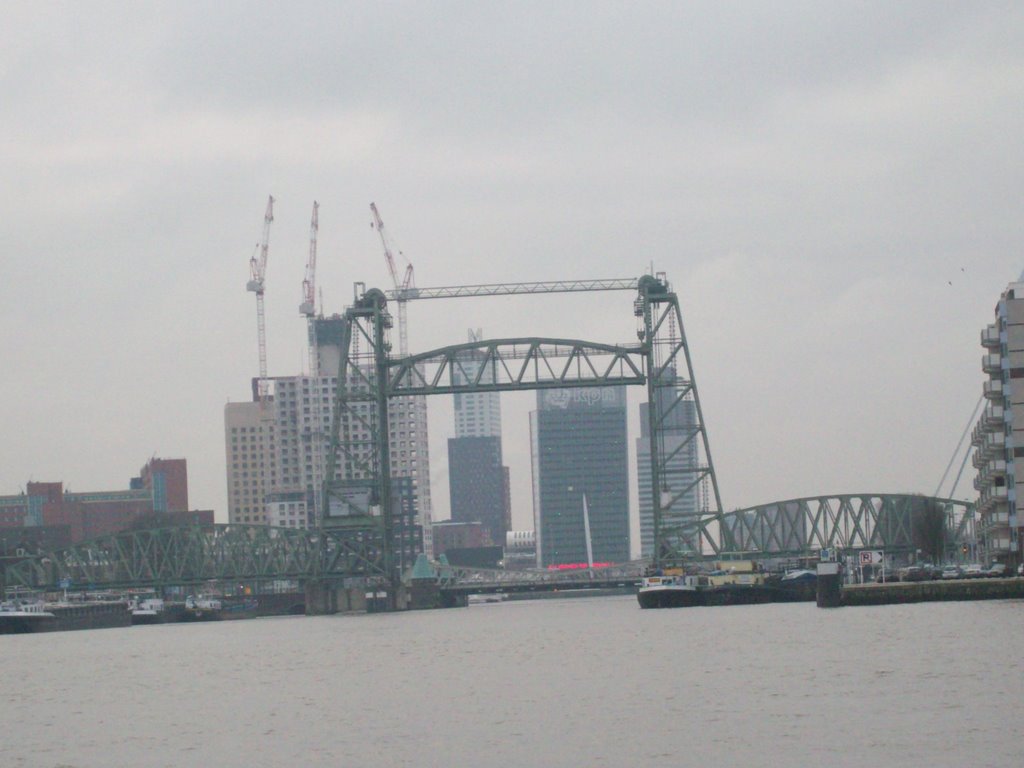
927 591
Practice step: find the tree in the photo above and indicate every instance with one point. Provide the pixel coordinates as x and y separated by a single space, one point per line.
929 528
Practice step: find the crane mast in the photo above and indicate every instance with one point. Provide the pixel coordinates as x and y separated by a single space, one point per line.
257 275
308 305
403 286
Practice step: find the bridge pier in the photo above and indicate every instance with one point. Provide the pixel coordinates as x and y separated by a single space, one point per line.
321 598
829 585
325 597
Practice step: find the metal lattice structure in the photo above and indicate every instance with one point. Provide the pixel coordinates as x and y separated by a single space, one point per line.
252 553
497 365
510 289
196 554
357 487
684 494
847 522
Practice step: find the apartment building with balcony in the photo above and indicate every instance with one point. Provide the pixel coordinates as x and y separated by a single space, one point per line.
998 437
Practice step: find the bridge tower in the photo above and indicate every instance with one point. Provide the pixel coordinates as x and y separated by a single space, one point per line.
357 507
683 494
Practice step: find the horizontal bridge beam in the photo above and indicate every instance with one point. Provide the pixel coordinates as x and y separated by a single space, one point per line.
498 365
510 289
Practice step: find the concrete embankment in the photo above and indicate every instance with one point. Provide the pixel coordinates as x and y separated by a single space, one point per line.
928 591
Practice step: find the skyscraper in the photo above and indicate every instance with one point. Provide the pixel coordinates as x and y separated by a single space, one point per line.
578 449
477 478
680 445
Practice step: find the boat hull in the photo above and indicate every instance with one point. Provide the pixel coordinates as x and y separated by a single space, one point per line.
141 618
24 625
68 617
669 597
687 597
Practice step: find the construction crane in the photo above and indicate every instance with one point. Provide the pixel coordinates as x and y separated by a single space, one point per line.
308 305
404 288
257 273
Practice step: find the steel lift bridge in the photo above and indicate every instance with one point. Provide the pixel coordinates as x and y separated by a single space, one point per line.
357 490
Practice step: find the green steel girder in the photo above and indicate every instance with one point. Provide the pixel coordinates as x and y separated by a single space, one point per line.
195 554
849 522
498 365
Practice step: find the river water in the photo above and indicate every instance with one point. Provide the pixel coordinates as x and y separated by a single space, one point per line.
584 682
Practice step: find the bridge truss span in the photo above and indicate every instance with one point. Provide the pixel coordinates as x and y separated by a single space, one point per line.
185 555
497 365
848 522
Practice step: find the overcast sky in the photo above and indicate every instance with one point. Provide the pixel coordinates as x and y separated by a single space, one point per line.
834 190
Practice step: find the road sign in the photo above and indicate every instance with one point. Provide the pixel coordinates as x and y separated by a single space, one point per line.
870 557
64 583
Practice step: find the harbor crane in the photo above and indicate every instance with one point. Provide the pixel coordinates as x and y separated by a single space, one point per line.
404 287
308 305
256 284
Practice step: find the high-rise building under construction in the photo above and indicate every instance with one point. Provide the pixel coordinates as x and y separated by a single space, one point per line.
277 452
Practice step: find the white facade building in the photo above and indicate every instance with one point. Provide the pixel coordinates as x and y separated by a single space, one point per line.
477 414
998 437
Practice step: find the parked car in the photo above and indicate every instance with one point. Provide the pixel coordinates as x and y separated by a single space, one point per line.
913 573
996 571
885 575
934 571
974 571
952 572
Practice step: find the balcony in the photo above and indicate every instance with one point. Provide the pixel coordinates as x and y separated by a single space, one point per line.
993 417
994 445
977 436
978 458
991 363
996 516
993 389
990 498
999 518
988 471
990 337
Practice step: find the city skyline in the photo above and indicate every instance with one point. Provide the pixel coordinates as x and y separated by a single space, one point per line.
836 208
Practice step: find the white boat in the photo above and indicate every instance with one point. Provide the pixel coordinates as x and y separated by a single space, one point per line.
149 610
21 616
497 597
202 608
